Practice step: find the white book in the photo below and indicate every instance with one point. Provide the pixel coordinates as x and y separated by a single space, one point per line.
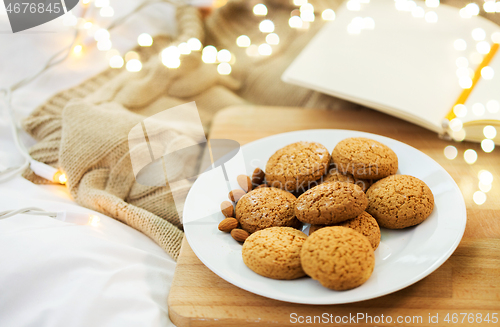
407 66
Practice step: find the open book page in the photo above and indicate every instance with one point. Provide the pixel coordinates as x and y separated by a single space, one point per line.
399 64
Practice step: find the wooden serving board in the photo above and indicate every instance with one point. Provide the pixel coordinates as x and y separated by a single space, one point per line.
468 283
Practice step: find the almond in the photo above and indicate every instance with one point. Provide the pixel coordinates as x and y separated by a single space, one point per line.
235 195
244 182
228 225
239 234
227 209
258 176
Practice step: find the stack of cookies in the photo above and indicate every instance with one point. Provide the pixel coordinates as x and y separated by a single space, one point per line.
344 197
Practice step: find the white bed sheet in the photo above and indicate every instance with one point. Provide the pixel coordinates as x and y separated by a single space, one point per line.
55 273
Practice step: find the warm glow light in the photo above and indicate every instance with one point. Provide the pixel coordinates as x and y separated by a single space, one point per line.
85 2
87 25
485 176
418 12
171 52
489 132
145 40
209 54
260 9
493 106
171 62
489 6
432 3
253 50
104 45
450 152
479 197
460 110
478 109
472 9
295 22
184 48
194 44
353 5
495 37
266 26
77 49
478 34
243 41
483 47
107 11
265 49
458 136
470 156
131 55
431 17
101 34
273 39
94 220
328 14
101 3
224 56
307 16
465 82
487 145
224 68
484 187
62 178
487 72
134 65
462 62
456 124
460 45
116 61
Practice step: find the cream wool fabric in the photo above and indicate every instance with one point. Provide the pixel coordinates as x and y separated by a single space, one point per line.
84 130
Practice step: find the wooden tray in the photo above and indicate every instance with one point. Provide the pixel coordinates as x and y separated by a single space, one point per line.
468 283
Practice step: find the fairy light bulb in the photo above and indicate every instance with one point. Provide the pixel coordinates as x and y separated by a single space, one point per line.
145 40
134 65
87 25
460 110
489 132
104 45
470 156
116 61
209 54
101 34
478 34
107 11
224 68
60 177
266 26
307 16
243 41
472 9
465 82
485 176
273 39
260 9
224 55
483 47
194 44
78 49
265 49
171 62
489 6
184 48
487 145
295 22
456 124
450 152
328 14
479 197
94 220
487 72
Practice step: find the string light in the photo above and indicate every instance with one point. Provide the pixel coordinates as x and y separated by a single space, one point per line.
485 176
487 72
77 49
87 25
209 54
483 47
478 109
101 34
478 34
450 152
353 5
265 49
104 45
479 197
489 6
487 145
470 156
493 106
456 124
131 55
260 9
460 110
266 26
295 22
243 41
145 40
194 44
328 14
224 55
489 132
224 68
458 136
184 48
273 39
134 65
116 61
253 50
460 45
431 17
432 3
107 11
465 82
94 220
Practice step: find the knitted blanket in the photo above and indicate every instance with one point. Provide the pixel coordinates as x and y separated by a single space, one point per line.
84 130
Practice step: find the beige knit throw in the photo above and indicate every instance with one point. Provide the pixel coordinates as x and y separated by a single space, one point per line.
84 130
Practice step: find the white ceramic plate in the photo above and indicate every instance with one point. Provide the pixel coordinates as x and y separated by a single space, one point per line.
403 257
